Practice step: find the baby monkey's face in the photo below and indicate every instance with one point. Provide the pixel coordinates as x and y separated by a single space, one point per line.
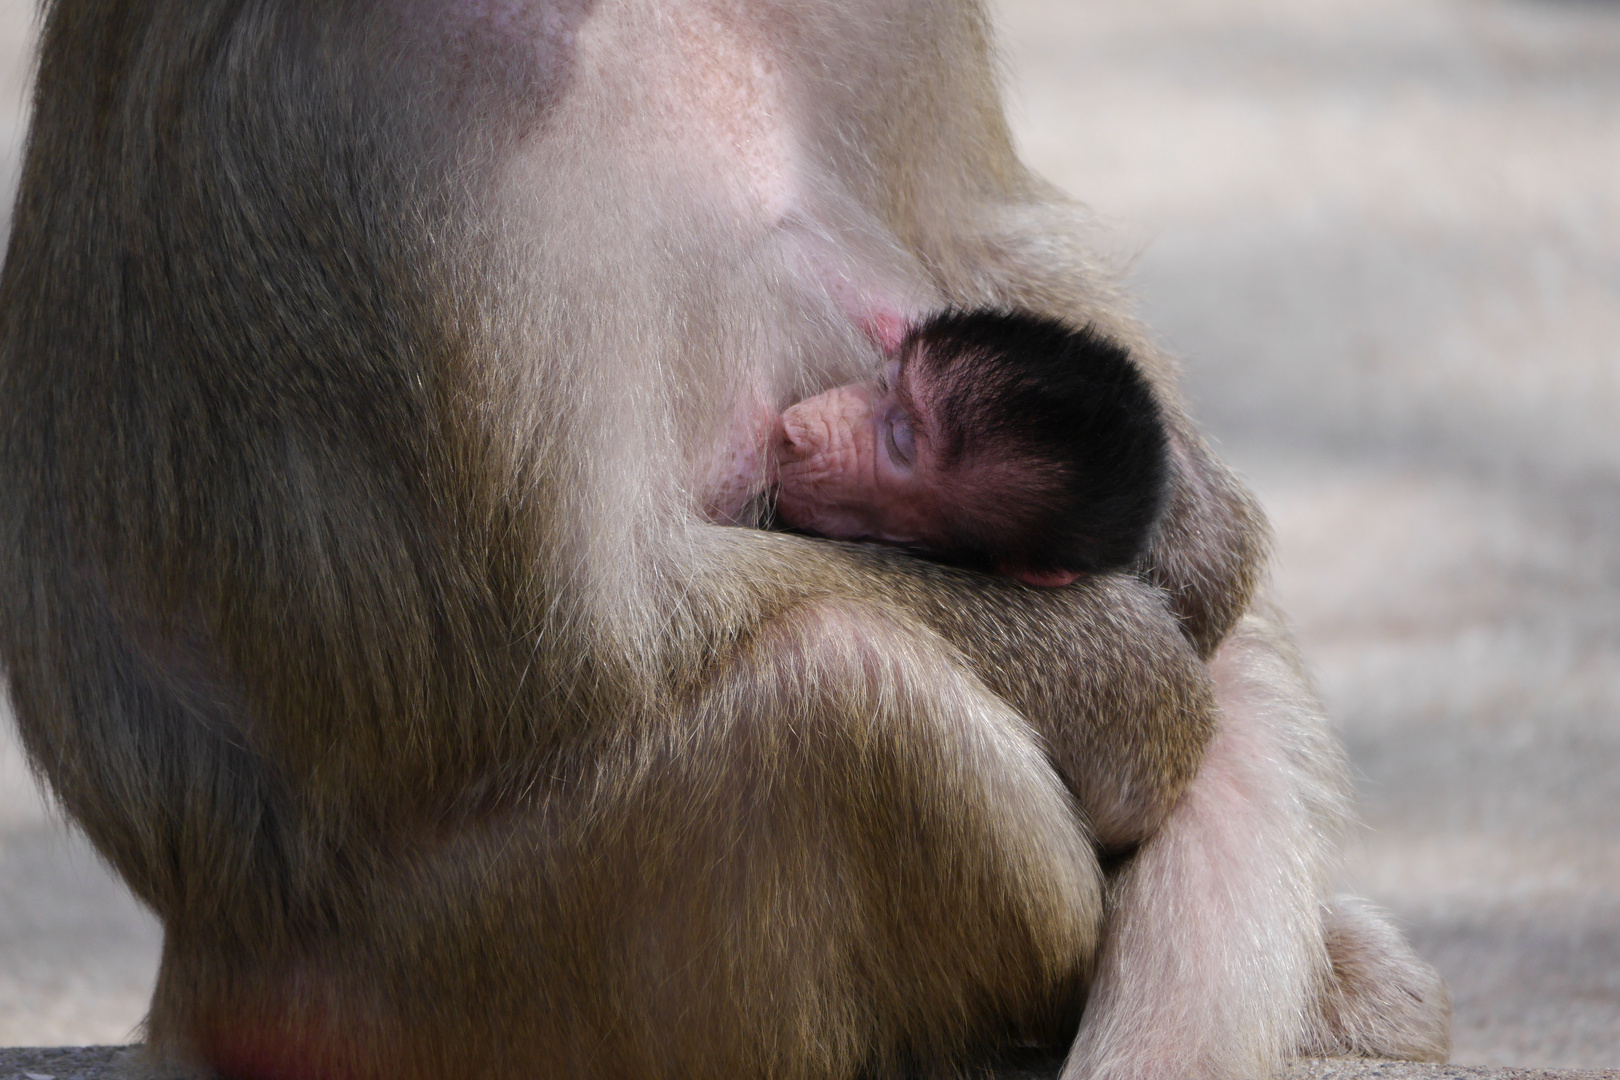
858 462
864 462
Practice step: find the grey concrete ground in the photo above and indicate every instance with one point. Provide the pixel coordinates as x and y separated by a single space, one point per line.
1386 236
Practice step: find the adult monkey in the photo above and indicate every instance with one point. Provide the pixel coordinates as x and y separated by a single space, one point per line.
364 364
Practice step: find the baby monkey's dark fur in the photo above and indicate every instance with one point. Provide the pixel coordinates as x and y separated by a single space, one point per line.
1070 406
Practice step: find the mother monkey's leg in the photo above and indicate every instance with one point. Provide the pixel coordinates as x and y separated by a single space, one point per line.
1222 957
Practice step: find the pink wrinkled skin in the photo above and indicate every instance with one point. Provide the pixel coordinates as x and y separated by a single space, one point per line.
837 479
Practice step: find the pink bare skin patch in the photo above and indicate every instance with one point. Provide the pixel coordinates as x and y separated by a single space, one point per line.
884 328
273 1047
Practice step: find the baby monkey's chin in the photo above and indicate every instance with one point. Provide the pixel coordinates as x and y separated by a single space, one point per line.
835 523
1044 579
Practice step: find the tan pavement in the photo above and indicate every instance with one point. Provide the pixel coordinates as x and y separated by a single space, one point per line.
1385 234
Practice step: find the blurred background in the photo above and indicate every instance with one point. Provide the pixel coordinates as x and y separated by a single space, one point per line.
1385 237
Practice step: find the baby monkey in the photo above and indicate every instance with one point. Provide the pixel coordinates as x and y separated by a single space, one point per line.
998 440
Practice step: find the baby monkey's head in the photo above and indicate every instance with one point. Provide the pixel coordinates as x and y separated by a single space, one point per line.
1000 440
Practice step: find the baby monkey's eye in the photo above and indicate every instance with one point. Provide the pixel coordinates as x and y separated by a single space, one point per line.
898 438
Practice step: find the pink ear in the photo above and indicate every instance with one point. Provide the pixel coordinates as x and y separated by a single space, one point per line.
1052 579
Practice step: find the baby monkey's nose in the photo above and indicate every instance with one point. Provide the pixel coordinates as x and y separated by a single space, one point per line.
793 437
816 422
814 425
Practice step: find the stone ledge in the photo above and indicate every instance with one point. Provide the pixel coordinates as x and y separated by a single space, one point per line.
1366 1069
119 1063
